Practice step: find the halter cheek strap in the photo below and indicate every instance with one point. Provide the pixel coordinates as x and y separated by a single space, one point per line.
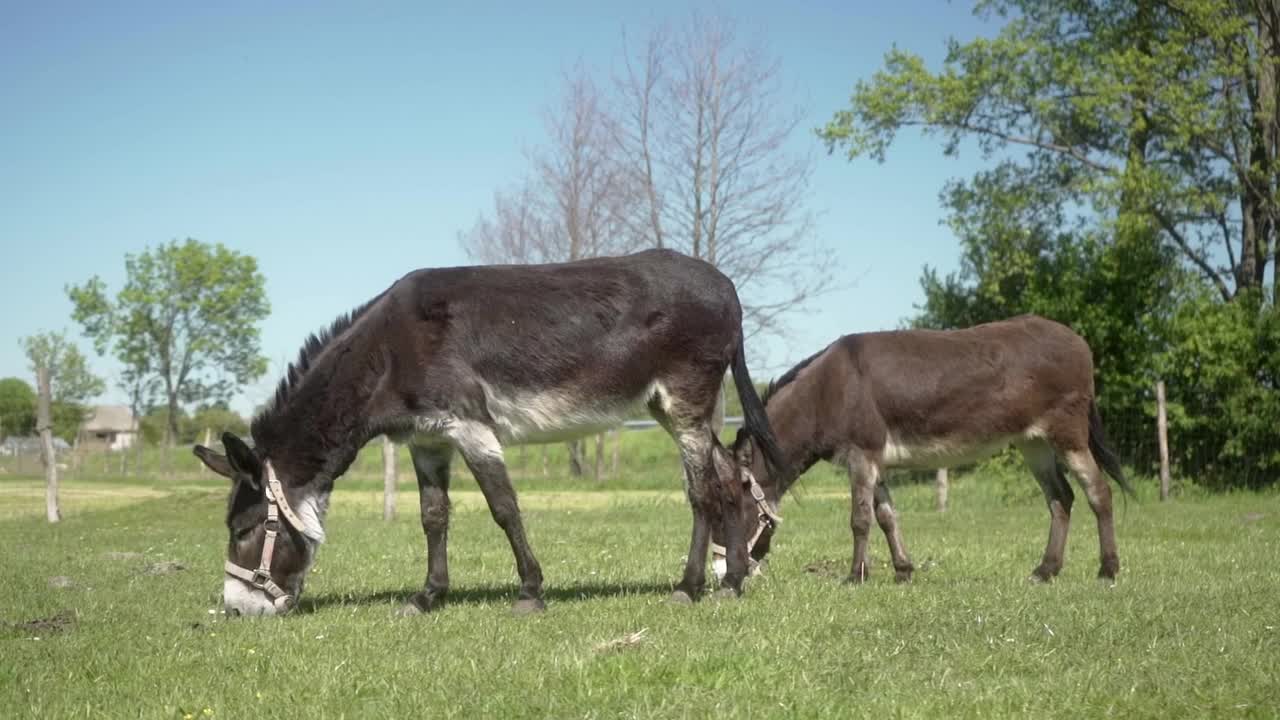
765 518
260 578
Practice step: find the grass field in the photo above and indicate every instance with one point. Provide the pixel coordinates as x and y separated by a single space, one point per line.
96 620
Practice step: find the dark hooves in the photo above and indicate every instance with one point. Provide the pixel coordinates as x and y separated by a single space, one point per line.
528 606
408 610
420 603
902 576
1041 575
857 578
680 597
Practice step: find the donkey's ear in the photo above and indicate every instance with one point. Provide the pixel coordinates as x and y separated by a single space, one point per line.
216 462
241 457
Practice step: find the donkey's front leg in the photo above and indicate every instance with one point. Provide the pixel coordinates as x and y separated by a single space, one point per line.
863 476
431 464
483 455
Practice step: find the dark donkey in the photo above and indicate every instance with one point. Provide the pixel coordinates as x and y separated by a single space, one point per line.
469 360
927 399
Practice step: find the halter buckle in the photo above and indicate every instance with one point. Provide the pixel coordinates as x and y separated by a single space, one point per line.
261 578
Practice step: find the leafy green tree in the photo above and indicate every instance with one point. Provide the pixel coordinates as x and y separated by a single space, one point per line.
217 418
188 314
1158 119
72 384
1133 196
17 408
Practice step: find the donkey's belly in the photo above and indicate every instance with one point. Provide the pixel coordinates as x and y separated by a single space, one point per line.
930 453
527 417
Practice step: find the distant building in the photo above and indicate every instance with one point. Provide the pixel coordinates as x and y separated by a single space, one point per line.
109 427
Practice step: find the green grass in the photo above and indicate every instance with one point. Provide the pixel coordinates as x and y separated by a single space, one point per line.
1191 630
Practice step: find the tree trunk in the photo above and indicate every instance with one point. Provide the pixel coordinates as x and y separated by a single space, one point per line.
137 444
171 427
1162 437
388 479
613 461
575 458
599 459
45 425
208 437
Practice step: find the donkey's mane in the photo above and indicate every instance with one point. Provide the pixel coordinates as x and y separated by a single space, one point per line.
788 376
312 349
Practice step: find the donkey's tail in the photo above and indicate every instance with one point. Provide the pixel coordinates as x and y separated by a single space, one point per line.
1102 453
754 418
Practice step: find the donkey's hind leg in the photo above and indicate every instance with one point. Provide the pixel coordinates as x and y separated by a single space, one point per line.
431 464
483 455
1098 492
887 518
1043 463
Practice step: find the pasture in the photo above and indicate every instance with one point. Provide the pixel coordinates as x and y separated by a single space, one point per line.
108 614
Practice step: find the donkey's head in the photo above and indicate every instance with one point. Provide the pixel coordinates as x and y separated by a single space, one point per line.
759 508
272 534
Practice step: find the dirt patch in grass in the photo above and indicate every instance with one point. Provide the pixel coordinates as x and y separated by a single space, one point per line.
828 568
64 620
61 582
165 567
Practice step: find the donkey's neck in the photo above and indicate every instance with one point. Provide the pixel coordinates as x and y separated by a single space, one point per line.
803 433
316 434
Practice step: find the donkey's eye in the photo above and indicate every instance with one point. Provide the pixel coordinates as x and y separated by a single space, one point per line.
243 534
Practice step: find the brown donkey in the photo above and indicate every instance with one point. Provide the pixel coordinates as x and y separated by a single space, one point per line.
926 399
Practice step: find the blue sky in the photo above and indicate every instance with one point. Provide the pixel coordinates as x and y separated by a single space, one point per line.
343 146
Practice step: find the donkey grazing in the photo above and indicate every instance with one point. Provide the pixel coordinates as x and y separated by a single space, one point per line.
468 360
926 399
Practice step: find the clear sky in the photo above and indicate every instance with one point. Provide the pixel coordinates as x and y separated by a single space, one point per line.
345 144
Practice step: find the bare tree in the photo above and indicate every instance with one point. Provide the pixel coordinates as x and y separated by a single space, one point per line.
702 123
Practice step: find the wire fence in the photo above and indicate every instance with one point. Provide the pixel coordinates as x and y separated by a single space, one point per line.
1209 450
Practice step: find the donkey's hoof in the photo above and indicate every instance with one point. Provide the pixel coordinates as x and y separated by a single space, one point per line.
726 594
857 578
421 602
1043 574
680 597
408 610
528 606
1106 581
902 576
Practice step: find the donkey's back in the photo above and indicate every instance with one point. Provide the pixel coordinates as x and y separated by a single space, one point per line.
940 398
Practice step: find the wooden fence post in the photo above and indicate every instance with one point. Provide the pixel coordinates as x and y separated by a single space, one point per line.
44 424
1162 432
208 438
942 485
388 479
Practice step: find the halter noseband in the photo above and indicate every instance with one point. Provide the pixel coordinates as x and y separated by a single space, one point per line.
260 578
765 518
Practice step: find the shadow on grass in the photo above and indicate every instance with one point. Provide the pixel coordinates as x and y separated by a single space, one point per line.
490 594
